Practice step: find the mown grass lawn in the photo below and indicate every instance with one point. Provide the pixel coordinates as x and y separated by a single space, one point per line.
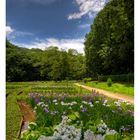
124 88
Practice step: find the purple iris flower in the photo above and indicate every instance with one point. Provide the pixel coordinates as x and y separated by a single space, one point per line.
126 129
131 112
62 98
46 110
84 110
94 94
105 101
37 100
32 95
119 108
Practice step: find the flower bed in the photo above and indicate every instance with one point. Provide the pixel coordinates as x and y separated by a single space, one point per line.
56 89
53 87
76 117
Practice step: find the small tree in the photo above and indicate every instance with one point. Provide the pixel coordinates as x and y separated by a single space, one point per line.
109 82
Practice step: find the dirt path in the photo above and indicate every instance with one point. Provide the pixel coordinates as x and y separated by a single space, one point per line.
28 115
108 93
26 111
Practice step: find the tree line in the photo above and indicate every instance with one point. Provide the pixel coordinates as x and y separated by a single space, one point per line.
24 64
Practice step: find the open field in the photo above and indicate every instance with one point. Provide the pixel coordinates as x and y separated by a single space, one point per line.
62 102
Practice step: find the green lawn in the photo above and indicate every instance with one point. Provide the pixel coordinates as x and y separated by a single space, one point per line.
124 88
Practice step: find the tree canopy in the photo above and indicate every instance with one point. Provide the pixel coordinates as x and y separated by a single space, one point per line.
51 64
109 46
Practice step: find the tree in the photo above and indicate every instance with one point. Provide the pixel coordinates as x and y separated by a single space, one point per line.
34 64
109 46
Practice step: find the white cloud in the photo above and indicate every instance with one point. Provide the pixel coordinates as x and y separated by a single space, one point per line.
9 30
60 43
19 33
87 7
13 33
84 26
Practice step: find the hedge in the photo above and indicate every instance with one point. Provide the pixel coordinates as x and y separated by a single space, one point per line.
13 117
87 80
117 78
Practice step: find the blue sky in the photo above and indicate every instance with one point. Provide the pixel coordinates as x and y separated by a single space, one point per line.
44 23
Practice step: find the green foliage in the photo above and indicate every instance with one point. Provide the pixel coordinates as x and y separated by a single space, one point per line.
109 82
109 46
113 137
83 115
34 132
96 82
51 64
90 125
13 117
117 78
85 80
32 126
74 116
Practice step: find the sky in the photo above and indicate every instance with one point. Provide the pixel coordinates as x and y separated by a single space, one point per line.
44 23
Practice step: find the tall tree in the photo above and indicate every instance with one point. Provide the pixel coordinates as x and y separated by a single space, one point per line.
109 46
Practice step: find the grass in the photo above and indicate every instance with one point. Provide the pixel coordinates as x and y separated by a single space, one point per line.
28 87
13 117
123 88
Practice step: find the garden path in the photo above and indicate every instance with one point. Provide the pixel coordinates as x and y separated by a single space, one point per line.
108 93
27 111
28 114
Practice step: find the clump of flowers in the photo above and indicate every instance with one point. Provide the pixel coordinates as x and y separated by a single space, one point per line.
84 111
89 135
102 127
64 131
102 131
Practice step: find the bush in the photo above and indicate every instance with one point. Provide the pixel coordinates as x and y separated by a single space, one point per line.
109 82
85 80
96 82
117 78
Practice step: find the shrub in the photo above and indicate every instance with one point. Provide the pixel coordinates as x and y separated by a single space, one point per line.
117 78
109 82
85 80
96 82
